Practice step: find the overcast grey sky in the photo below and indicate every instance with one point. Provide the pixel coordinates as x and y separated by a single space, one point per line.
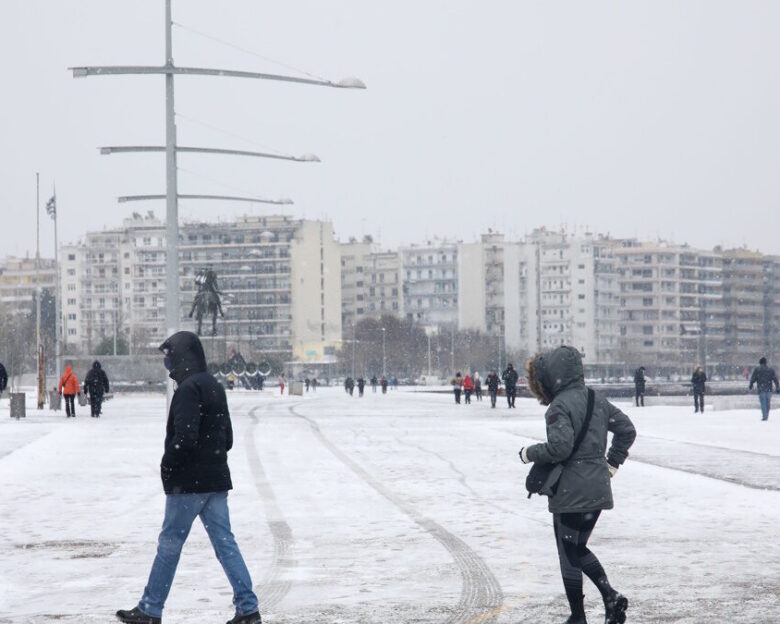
646 119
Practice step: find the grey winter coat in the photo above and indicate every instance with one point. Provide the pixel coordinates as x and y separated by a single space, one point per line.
585 482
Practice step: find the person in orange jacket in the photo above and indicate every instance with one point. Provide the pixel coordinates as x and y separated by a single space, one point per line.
69 388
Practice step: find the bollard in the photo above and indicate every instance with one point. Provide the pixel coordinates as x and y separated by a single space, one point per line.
18 405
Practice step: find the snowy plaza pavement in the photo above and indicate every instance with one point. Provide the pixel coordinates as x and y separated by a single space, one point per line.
395 508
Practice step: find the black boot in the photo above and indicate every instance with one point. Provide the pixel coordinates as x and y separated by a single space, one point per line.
615 609
576 619
249 618
136 616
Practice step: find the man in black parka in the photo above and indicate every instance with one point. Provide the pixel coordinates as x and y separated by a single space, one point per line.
196 480
639 386
95 386
765 378
510 378
699 385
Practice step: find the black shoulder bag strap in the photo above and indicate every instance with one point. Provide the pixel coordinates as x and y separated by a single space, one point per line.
585 425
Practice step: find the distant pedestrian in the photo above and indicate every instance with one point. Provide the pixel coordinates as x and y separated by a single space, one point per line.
492 381
764 377
477 386
393 382
196 480
349 386
95 387
374 383
468 388
383 384
510 378
457 386
282 382
259 379
231 381
361 383
698 382
307 381
3 378
69 388
314 384
639 386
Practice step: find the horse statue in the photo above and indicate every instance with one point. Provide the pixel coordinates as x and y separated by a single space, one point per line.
207 299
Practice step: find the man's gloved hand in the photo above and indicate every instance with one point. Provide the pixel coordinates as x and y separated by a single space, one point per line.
612 469
524 455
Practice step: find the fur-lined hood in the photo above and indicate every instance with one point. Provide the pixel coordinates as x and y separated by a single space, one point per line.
552 372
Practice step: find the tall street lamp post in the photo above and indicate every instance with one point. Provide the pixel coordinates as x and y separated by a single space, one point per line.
384 355
169 70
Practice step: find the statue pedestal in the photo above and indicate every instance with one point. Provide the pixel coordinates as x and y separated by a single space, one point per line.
215 348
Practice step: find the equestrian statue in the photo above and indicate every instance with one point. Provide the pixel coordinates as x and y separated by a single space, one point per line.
207 299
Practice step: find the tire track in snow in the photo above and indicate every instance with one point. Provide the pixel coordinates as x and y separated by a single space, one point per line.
481 597
274 586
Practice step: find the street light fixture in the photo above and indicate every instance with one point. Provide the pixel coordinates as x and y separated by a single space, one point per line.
283 201
125 149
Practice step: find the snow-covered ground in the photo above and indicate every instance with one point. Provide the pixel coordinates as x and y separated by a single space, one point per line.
395 508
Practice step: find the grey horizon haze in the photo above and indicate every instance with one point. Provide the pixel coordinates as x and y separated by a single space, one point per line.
638 119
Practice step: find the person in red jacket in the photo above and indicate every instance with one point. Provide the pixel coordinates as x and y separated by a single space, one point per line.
69 388
468 387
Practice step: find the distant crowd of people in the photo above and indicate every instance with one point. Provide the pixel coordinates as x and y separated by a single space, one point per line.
471 384
763 377
382 382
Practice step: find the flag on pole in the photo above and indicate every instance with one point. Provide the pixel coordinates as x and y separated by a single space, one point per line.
51 206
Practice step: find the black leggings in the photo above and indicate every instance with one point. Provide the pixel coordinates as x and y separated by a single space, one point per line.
698 401
70 404
572 531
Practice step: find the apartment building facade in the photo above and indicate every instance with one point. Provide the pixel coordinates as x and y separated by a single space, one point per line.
561 289
371 282
481 285
672 305
279 277
430 283
20 279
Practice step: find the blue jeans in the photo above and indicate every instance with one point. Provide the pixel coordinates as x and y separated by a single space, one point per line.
180 512
765 399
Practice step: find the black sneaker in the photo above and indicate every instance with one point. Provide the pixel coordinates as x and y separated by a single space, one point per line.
249 618
615 608
576 619
136 616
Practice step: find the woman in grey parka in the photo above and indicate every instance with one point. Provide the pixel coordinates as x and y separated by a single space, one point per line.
557 379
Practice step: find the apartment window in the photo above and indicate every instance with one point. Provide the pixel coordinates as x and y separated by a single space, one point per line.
71 317
580 296
71 302
71 257
71 332
71 287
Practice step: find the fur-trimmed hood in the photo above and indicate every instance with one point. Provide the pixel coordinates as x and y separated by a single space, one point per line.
552 372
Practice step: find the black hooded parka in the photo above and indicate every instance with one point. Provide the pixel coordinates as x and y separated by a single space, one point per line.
199 433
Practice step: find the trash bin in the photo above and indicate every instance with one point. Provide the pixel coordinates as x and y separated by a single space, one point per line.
296 388
55 401
18 405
